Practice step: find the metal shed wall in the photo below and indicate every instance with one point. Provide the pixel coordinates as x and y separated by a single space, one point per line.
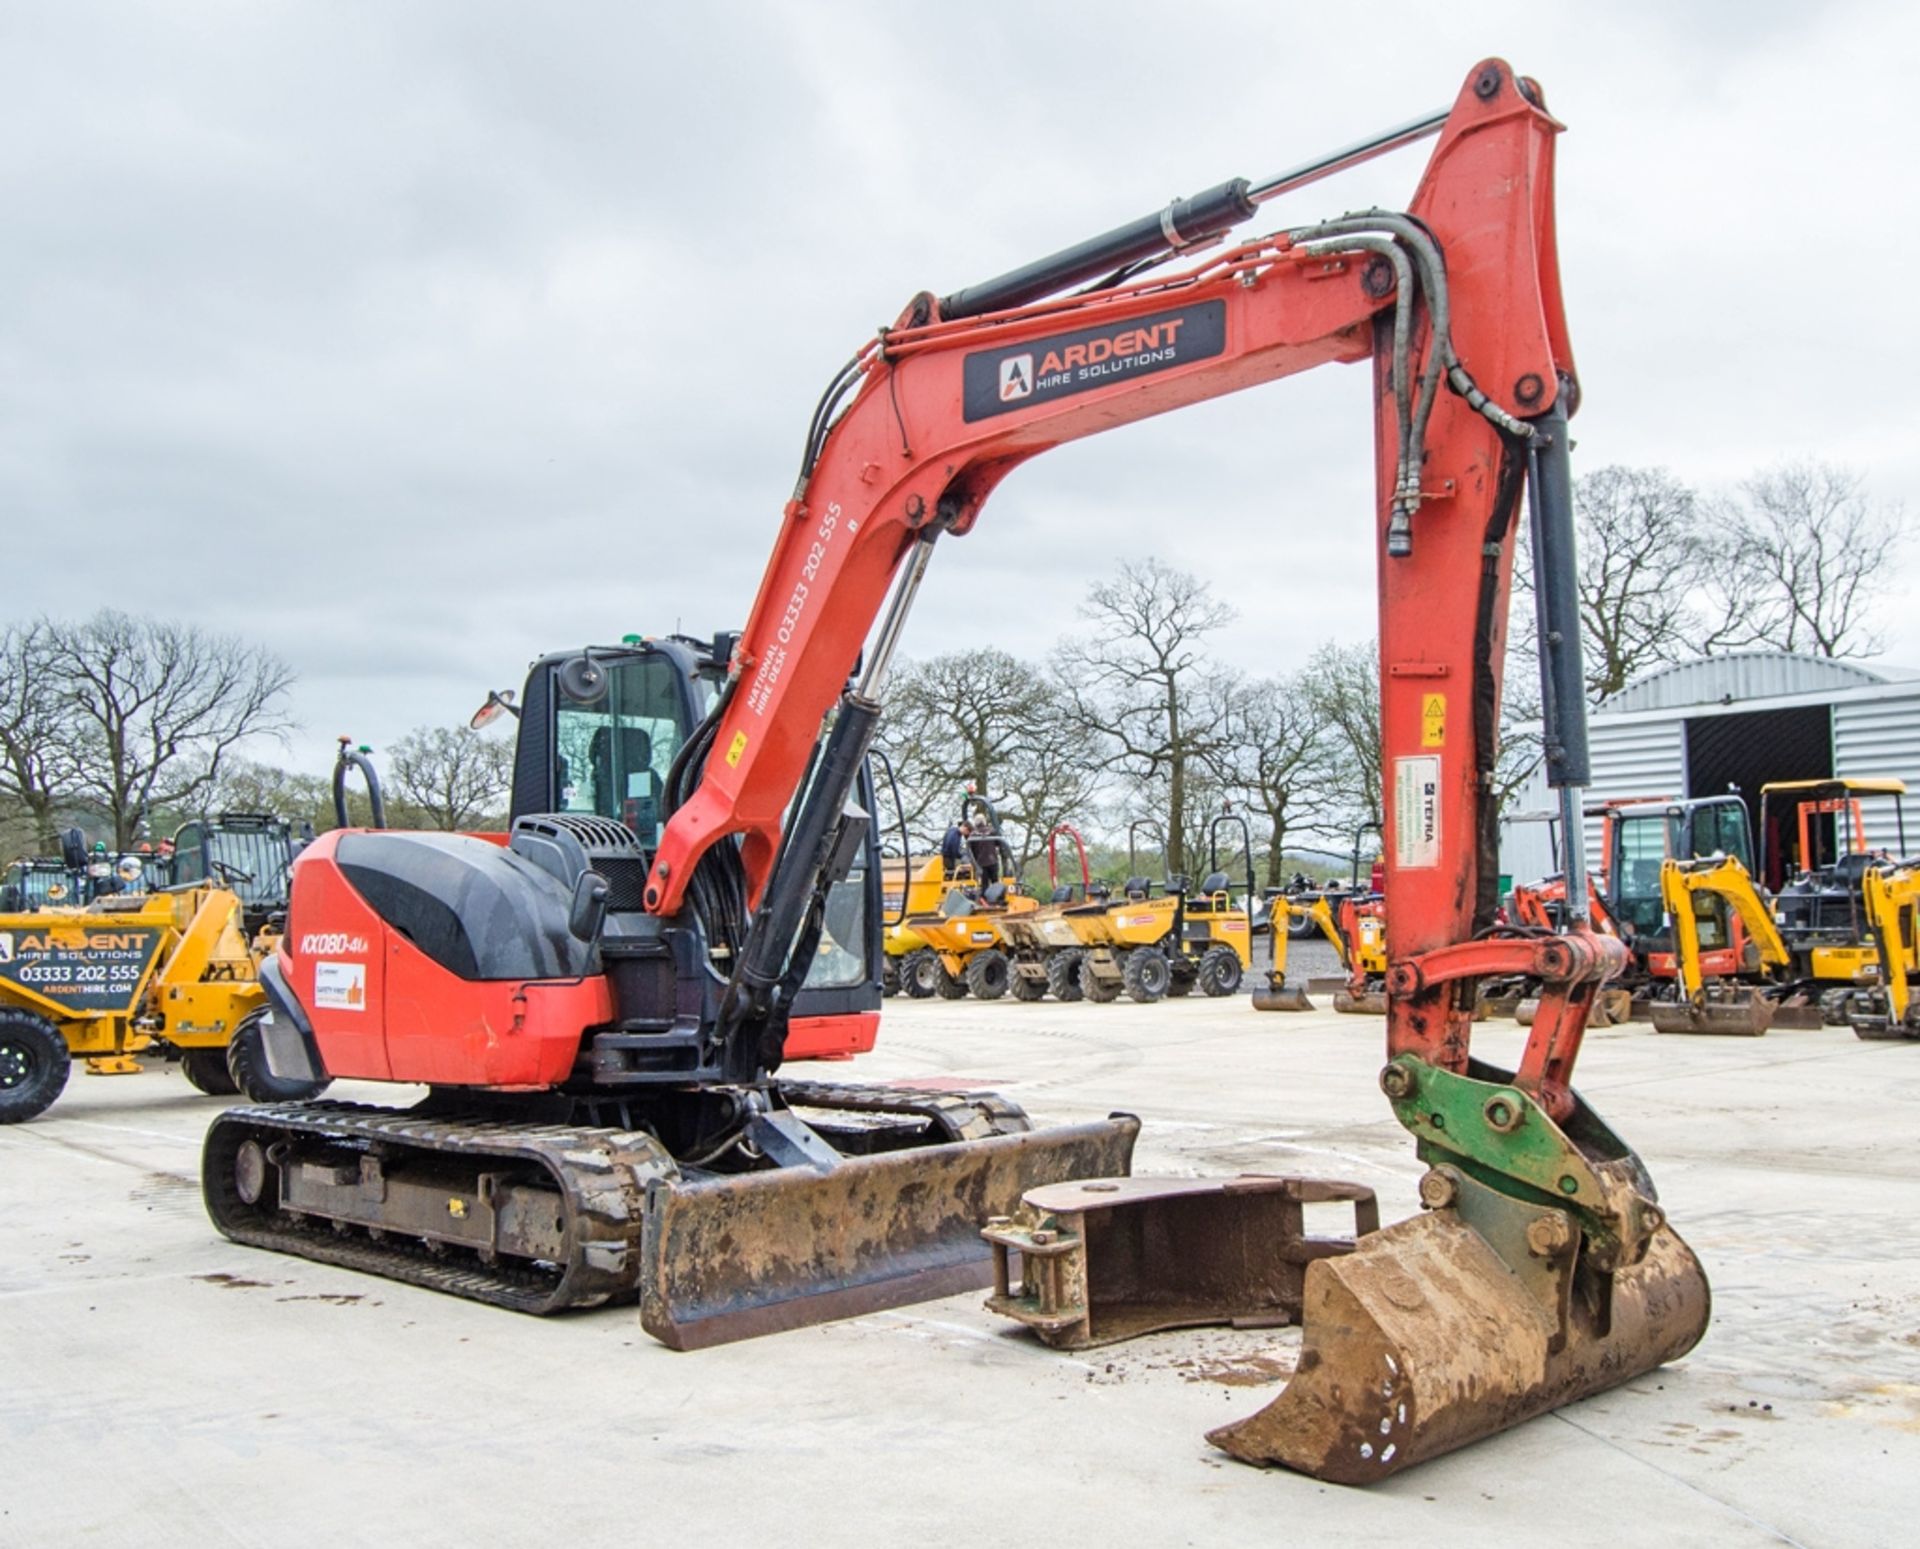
1881 736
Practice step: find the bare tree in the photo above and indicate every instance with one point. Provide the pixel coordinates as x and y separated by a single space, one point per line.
1651 581
1274 759
1136 680
37 767
1343 681
1807 556
157 707
984 721
452 776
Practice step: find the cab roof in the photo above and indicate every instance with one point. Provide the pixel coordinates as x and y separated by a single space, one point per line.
1822 789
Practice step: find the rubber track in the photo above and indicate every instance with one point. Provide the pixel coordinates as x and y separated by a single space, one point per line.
601 1175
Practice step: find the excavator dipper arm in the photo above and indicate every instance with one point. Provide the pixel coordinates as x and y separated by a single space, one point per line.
1457 305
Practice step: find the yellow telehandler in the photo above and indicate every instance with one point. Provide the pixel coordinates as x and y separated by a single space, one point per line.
165 975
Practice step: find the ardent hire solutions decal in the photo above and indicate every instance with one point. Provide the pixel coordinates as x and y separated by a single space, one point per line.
1021 375
82 968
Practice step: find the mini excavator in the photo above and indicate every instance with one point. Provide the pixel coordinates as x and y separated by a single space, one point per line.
602 1021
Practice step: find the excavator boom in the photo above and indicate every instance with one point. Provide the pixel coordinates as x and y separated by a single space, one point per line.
1456 304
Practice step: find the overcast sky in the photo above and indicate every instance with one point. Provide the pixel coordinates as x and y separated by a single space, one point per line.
418 339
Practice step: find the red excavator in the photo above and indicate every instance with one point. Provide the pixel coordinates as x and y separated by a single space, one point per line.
602 1021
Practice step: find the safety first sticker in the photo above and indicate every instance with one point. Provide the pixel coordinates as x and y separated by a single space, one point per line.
340 986
1416 812
1433 720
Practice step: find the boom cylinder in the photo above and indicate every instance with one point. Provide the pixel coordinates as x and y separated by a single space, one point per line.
1183 223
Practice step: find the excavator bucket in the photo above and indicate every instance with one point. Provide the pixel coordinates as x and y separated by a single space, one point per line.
1281 997
730 1257
1799 1015
1429 1336
1738 1017
1370 1002
1106 1259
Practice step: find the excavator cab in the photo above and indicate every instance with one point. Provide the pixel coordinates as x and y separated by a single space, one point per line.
1821 839
597 733
1640 838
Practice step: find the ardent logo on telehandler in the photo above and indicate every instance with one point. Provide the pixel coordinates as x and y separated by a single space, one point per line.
1016 378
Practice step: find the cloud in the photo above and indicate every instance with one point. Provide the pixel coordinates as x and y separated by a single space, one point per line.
416 341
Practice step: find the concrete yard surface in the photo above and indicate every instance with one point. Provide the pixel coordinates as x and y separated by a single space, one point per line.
160 1386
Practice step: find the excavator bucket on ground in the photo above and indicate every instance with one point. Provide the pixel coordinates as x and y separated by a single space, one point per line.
1368 1002
1426 1338
1110 1258
1734 1016
1281 997
1492 1307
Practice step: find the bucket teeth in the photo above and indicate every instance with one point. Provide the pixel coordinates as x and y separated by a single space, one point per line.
1425 1339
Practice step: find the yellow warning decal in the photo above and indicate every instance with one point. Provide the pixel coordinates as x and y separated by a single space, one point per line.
738 747
1433 720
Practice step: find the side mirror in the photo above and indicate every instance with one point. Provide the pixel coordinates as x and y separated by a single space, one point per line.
583 680
498 700
589 910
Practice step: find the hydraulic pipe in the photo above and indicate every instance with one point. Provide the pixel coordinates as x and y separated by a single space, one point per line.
356 758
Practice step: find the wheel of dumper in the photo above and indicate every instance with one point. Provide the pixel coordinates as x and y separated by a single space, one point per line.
921 973
1063 975
950 986
247 1064
1220 971
1146 973
206 1071
1027 987
890 977
1092 986
988 973
34 1065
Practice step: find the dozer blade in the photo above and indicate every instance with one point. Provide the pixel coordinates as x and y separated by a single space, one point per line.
730 1257
1425 1338
1798 1016
1747 1018
1281 997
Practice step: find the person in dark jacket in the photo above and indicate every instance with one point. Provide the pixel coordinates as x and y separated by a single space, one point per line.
953 849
